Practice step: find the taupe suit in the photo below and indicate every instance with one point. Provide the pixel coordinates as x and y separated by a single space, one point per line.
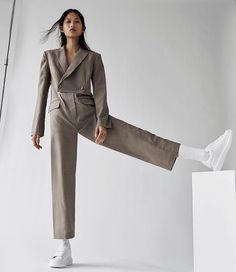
75 109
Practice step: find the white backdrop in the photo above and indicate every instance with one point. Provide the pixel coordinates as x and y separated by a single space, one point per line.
176 60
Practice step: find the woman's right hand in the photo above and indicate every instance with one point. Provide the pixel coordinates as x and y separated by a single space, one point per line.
36 140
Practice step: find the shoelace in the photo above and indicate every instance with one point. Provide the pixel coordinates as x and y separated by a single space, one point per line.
213 144
60 252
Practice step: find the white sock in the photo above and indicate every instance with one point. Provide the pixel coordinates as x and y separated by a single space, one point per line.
192 153
64 243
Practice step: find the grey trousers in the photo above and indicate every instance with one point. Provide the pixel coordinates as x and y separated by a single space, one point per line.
69 116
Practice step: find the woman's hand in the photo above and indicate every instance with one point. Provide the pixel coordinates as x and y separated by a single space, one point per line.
100 134
36 140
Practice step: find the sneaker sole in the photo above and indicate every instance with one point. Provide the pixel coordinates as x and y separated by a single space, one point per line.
222 157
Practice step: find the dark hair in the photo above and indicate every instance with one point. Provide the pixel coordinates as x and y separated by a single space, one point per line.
62 36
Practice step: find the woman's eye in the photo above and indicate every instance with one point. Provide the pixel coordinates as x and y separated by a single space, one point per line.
75 21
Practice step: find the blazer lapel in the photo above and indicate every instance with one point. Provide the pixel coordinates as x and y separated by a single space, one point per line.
65 67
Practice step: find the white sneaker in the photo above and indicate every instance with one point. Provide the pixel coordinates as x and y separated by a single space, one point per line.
62 257
218 151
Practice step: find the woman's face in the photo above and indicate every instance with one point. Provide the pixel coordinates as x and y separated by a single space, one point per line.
72 25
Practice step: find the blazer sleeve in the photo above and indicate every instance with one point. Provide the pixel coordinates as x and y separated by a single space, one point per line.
100 93
41 102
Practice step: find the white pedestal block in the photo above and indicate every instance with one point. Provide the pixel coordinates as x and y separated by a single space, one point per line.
214 221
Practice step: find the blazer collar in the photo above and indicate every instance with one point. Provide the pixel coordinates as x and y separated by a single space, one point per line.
66 68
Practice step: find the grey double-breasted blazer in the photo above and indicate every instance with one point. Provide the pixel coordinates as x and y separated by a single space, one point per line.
86 68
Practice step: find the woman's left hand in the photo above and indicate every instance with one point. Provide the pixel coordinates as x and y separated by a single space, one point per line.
100 134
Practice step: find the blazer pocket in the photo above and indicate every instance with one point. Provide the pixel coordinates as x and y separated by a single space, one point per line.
54 105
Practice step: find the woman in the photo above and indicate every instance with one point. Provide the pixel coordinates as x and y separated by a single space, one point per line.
75 109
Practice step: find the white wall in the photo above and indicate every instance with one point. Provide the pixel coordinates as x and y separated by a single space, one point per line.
226 68
167 72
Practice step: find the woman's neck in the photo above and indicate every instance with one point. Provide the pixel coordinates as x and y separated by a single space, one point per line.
72 46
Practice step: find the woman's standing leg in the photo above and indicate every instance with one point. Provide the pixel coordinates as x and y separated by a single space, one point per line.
63 170
64 140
